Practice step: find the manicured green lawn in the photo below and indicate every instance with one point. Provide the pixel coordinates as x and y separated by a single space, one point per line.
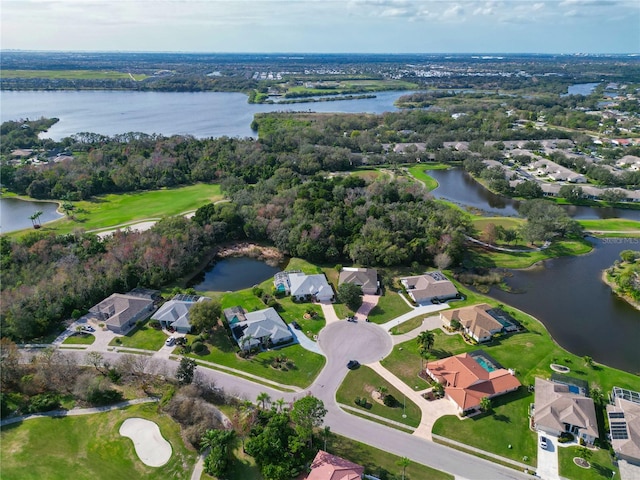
88 447
494 432
144 337
478 257
304 266
222 351
374 460
290 311
601 466
419 172
407 326
79 339
361 382
243 298
111 210
390 305
615 224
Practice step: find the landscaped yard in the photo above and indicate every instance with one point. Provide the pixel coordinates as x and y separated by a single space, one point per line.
601 466
495 432
144 337
406 327
222 350
88 447
390 305
79 339
362 382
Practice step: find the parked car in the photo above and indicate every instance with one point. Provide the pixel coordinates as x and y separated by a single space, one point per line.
295 325
544 444
352 319
88 328
170 341
353 364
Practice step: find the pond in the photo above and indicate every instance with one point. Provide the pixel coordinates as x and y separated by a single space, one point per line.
458 186
231 274
15 213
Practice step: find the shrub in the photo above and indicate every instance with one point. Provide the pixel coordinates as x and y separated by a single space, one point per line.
390 401
155 324
76 314
257 291
43 402
198 347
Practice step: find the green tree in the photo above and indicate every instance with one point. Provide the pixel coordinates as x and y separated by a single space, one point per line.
426 340
263 398
485 404
307 414
351 295
203 316
219 443
186 371
588 361
573 193
404 462
585 454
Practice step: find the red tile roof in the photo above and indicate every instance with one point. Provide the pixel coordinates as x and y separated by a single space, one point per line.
330 467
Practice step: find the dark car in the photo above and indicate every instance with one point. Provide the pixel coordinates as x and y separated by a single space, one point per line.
352 319
353 364
295 325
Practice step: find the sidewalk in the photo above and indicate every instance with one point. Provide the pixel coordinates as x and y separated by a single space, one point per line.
377 417
415 312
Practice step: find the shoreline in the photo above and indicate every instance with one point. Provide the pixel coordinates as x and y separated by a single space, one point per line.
612 285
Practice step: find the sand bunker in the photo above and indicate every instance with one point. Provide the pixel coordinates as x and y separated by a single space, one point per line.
149 443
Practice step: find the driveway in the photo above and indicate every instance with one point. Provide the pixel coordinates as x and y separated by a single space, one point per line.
426 310
429 323
329 312
368 303
305 342
548 459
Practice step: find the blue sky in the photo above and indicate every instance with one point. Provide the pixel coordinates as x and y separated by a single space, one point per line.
363 26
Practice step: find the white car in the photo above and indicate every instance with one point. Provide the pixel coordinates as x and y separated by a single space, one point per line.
88 328
544 444
170 342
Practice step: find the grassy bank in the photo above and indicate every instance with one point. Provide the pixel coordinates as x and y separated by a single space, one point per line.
88 447
419 173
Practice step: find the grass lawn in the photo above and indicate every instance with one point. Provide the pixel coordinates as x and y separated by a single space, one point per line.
611 224
479 257
407 326
419 172
494 432
601 466
111 210
390 305
243 466
375 461
79 339
507 222
304 266
72 74
363 381
222 350
88 447
144 337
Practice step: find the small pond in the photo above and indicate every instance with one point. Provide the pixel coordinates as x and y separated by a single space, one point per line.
15 213
231 274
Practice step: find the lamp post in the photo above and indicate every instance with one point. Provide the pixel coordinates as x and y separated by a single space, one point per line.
404 402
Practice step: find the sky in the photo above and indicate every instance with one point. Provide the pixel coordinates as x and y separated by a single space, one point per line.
323 26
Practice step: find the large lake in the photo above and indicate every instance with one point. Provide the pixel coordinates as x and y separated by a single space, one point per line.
201 114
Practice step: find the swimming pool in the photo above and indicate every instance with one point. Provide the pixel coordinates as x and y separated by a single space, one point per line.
484 363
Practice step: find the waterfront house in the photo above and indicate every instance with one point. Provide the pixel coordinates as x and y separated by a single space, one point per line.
304 287
175 312
468 378
365 278
624 425
479 322
430 286
562 408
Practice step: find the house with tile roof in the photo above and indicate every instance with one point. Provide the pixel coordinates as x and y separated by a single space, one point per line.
260 329
560 408
467 379
479 322
175 313
365 278
624 425
304 287
432 285
331 467
120 311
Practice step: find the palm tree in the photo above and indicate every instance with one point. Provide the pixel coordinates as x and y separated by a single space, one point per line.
404 462
279 403
485 404
264 398
36 216
426 339
208 440
326 433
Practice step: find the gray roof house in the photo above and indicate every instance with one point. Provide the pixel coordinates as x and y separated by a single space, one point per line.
624 425
175 312
432 285
365 278
301 285
558 409
261 328
120 312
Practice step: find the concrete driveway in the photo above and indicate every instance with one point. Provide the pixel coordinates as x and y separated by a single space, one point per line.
305 342
368 303
548 459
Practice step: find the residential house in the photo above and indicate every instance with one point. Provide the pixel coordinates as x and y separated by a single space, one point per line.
624 425
468 378
120 311
561 408
430 286
330 467
365 278
175 313
479 322
262 328
304 287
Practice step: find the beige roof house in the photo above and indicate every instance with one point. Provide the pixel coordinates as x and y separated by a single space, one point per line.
366 278
330 467
120 312
431 285
466 382
558 409
476 321
624 427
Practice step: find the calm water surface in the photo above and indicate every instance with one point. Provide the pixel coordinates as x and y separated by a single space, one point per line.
235 273
15 213
201 114
459 187
581 89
